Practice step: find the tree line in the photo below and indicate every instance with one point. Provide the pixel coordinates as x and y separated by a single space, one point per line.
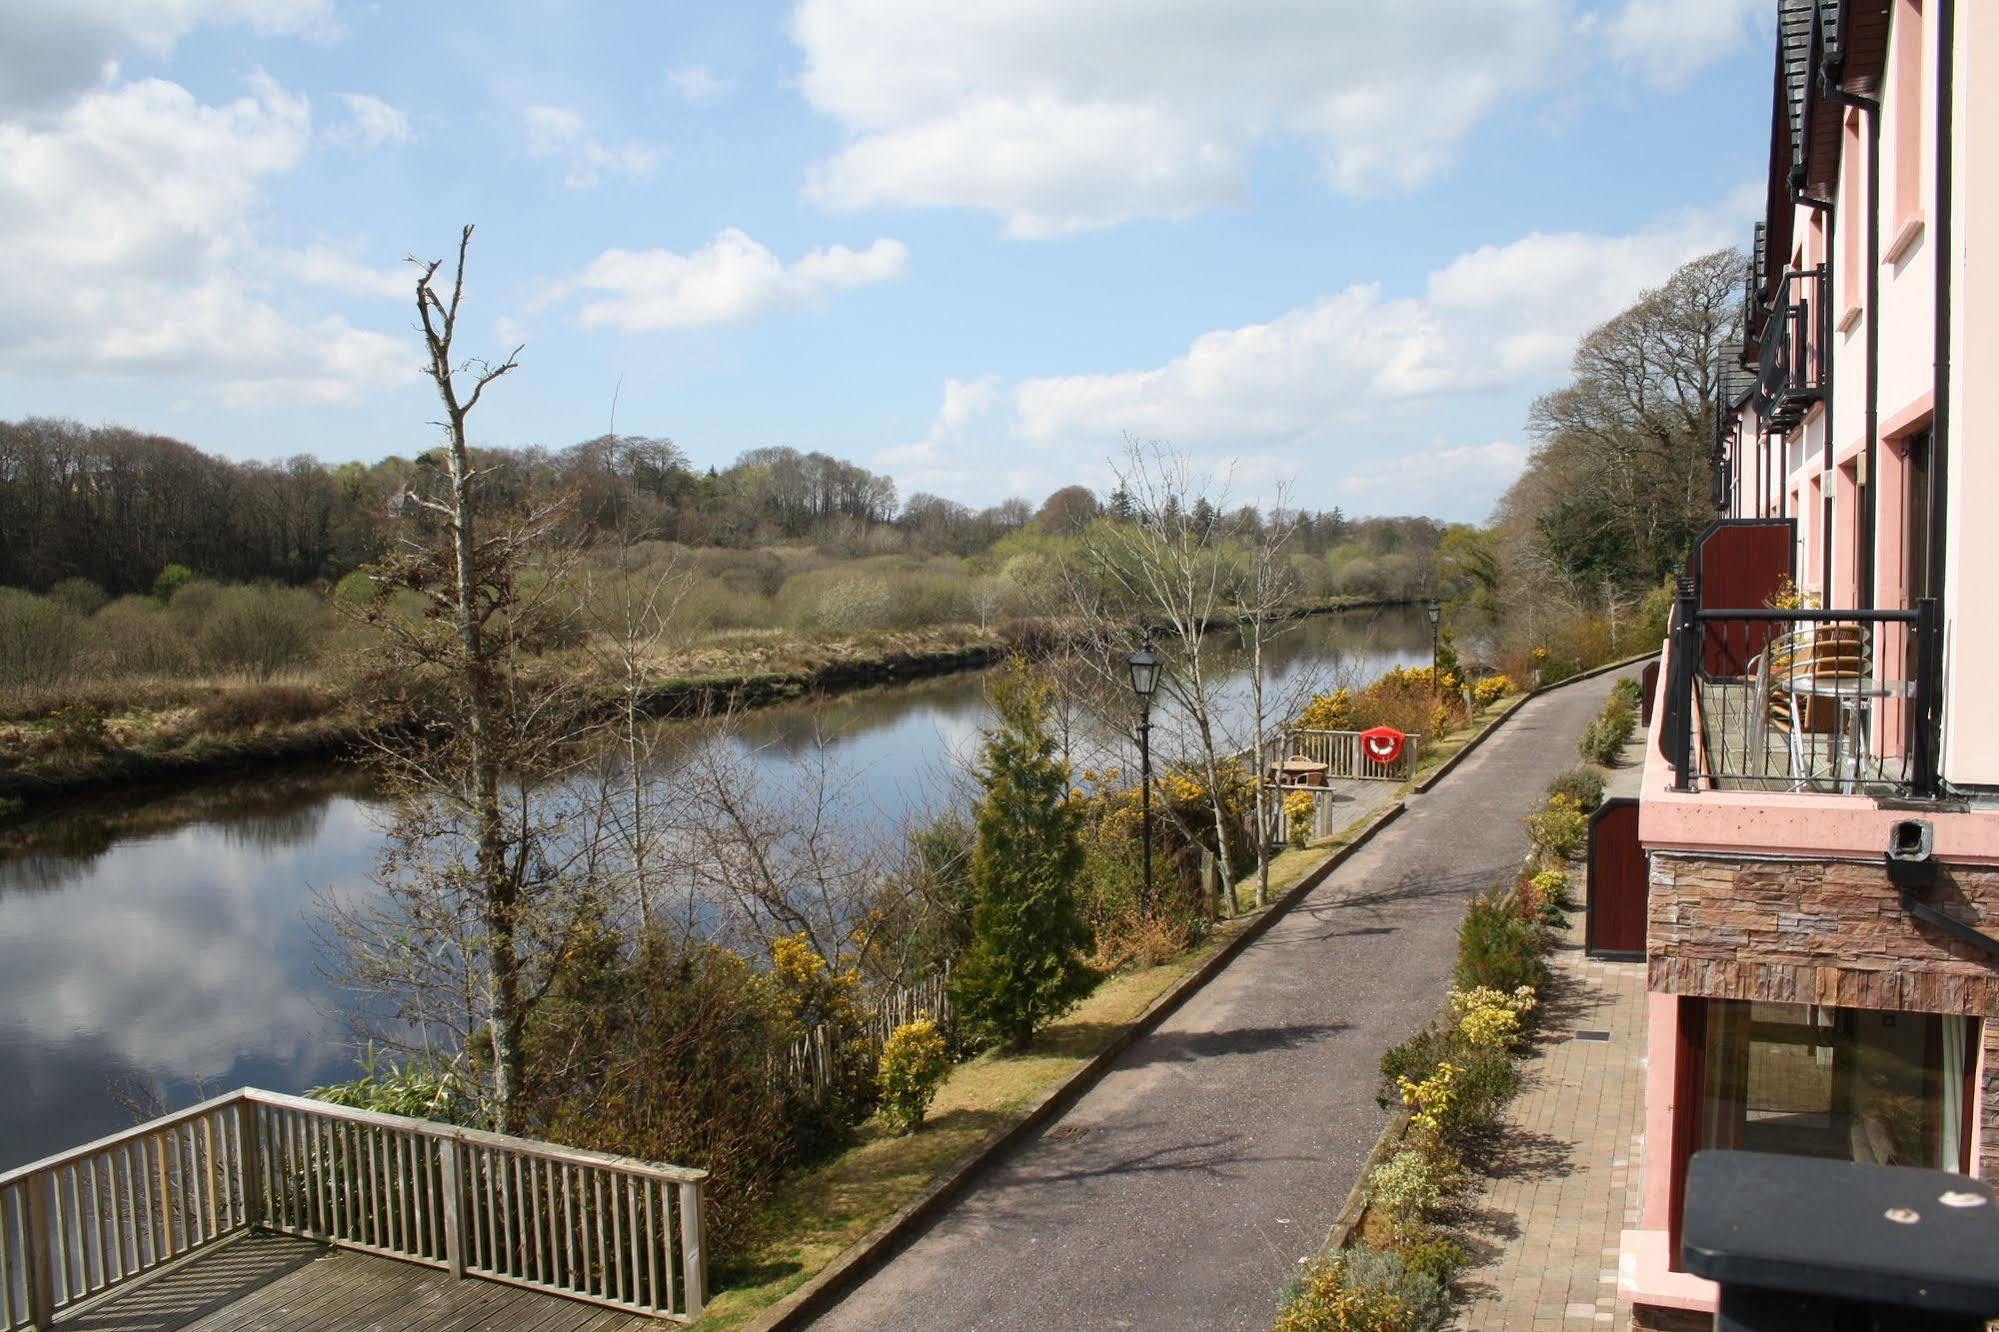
115 506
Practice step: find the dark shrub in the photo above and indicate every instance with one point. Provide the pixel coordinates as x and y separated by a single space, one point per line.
1582 785
1497 949
261 705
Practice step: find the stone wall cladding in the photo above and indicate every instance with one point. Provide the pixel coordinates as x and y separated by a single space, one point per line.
1988 1109
1817 931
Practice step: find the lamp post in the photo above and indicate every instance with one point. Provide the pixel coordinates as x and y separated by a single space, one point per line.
1436 612
1144 665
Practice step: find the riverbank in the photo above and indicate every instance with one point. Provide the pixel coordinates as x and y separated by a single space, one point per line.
92 742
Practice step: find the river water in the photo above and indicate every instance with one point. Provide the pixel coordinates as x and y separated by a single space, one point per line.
160 945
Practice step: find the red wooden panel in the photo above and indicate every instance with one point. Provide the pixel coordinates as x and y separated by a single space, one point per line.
1689 1086
1739 564
1648 685
1615 925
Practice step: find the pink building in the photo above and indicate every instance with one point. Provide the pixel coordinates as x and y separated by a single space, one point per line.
1832 678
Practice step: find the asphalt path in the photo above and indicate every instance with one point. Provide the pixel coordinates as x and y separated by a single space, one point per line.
1183 1189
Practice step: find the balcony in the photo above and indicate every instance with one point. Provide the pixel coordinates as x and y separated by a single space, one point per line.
1803 701
1791 350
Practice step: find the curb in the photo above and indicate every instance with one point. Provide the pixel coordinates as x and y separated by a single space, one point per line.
1360 1194
1439 772
861 1258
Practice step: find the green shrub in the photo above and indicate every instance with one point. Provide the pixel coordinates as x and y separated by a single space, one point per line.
1412 1186
259 630
1582 785
421 1089
914 1064
140 638
356 588
1626 692
1484 1082
1367 1290
79 596
171 579
1497 948
41 643
1560 827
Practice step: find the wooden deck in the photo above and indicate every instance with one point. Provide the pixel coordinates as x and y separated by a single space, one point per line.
283 1284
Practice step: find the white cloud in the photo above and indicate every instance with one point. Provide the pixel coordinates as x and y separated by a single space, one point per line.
1060 116
699 84
51 50
1669 41
1340 383
1435 480
372 122
125 234
557 133
323 266
731 279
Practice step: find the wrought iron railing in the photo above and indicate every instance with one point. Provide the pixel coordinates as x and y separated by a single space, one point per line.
1830 701
1792 351
590 1226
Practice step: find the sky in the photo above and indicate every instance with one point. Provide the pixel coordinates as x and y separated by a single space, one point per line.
1339 244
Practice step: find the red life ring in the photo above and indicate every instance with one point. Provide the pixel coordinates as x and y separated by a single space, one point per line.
1382 744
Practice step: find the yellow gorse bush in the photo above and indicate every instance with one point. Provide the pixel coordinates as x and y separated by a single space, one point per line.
1489 1018
913 1065
808 991
1430 1100
1490 690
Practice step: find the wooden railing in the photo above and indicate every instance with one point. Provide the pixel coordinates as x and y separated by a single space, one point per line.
587 1225
1341 752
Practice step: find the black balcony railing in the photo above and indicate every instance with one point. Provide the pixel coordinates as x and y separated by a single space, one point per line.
1838 701
1791 351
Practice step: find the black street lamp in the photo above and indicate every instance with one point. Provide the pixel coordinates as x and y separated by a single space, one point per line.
1144 666
1435 611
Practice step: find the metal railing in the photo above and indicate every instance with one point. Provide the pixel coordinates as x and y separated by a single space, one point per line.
1835 701
590 1226
1791 353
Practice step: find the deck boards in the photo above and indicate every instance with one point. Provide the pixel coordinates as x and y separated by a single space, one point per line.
275 1283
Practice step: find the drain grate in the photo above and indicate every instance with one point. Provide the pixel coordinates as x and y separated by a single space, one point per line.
1589 1035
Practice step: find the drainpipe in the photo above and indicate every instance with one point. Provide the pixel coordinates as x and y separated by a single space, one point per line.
1940 413
1871 109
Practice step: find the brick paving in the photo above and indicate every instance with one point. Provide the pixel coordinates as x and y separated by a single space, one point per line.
1544 1234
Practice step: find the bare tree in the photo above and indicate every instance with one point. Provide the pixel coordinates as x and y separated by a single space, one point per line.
1168 569
1263 594
476 873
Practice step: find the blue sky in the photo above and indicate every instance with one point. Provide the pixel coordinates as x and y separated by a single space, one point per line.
973 246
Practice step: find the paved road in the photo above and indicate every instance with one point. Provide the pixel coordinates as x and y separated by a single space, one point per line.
1181 1191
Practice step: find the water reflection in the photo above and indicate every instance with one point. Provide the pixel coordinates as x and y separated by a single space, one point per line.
167 938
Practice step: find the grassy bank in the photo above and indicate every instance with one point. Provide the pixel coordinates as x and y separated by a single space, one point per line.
96 735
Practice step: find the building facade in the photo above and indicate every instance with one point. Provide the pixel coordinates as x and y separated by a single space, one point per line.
1830 688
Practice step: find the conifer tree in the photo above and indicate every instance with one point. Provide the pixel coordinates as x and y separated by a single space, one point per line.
1025 966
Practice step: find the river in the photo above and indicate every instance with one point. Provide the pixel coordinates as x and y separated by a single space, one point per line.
157 945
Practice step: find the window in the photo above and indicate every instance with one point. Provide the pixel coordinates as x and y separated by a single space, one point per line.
1852 225
1907 106
1843 1083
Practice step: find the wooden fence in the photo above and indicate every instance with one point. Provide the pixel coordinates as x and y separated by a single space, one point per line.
606 1229
810 1064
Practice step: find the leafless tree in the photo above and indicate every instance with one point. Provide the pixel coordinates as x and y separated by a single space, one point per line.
1262 597
479 883
1168 569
